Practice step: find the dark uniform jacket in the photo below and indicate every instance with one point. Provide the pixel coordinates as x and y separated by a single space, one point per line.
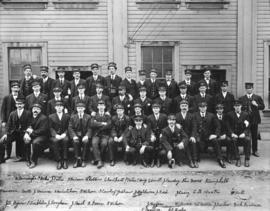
166 105
146 105
98 128
137 138
26 86
227 102
32 99
223 124
212 87
237 125
145 119
120 126
157 125
16 124
207 125
65 86
188 124
208 99
8 105
51 105
73 87
152 88
91 85
40 126
113 85
47 87
192 88
79 128
170 139
86 100
128 104
131 87
57 126
172 90
94 102
253 111
178 99
140 84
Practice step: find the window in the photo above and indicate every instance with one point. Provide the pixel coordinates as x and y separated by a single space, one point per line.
266 85
158 57
207 4
25 4
75 4
158 4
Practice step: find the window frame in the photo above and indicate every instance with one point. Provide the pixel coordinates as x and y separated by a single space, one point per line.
266 70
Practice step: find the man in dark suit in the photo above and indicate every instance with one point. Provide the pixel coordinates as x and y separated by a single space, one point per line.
15 128
186 120
101 125
174 141
113 81
172 89
122 99
57 97
225 98
93 80
63 83
152 85
75 82
208 131
120 126
252 104
99 96
156 122
164 101
9 105
138 111
212 87
203 97
183 96
191 85
144 101
142 79
47 83
138 144
36 135
36 98
26 82
80 133
81 97
130 84
58 123
238 130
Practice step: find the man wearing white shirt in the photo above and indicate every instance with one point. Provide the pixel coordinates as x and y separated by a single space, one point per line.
75 82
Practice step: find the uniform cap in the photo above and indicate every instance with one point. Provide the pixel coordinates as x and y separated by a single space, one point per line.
44 68
93 66
59 103
15 83
171 117
128 69
37 105
80 104
248 85
57 89
202 104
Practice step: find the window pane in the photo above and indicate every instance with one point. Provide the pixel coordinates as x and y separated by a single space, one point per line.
157 54
147 67
158 67
167 54
36 56
166 67
147 54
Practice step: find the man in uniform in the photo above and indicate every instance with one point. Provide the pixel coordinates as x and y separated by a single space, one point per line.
113 81
238 130
97 97
183 96
80 133
156 122
164 101
202 96
144 101
208 131
175 142
101 125
152 85
225 98
138 143
191 85
58 123
252 104
186 120
172 89
47 83
75 82
26 82
15 129
36 135
62 83
57 97
81 97
142 79
130 84
36 98
120 126
138 111
212 87
93 80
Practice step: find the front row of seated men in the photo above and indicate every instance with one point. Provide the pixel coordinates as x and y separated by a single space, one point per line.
148 139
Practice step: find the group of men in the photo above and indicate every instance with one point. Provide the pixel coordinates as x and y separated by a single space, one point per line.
149 121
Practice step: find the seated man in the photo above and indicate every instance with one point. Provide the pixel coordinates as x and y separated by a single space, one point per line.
80 132
138 112
174 140
57 97
138 140
15 129
36 135
81 98
120 125
58 123
101 125
238 129
208 131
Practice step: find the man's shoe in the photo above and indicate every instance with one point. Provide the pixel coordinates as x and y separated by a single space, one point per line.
19 159
93 162
65 165
144 164
7 158
171 163
256 154
221 163
246 164
2 161
196 164
152 163
134 162
112 163
77 163
32 165
127 162
179 163
191 164
100 164
238 163
59 165
83 164
158 163
28 163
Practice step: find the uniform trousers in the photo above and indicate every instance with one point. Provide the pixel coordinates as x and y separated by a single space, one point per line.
246 143
60 148
112 147
254 137
99 145
80 148
38 145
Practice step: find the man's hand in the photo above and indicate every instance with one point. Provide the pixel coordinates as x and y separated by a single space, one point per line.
169 154
254 103
142 149
234 135
63 135
246 123
58 137
181 145
144 125
178 126
27 138
29 130
223 137
127 148
242 135
3 139
4 124
212 136
130 97
75 138
115 139
85 139
108 113
120 139
192 139
104 123
153 138
93 113
130 127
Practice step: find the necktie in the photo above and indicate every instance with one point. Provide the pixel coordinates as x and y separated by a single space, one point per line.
61 82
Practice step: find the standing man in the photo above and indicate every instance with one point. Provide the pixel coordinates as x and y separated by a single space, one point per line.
171 86
130 84
252 104
47 83
93 80
80 133
183 96
58 123
144 101
212 86
36 135
152 85
238 130
57 97
142 79
63 83
75 82
26 82
113 81
191 85
164 101
101 125
225 98
203 97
